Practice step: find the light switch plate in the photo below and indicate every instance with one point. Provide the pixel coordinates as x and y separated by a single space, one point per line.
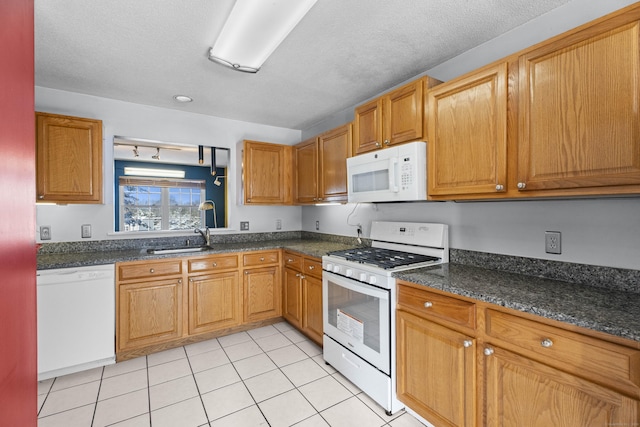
244 225
86 231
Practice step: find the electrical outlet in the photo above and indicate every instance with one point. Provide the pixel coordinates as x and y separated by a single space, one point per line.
552 242
317 225
86 231
244 225
45 232
278 224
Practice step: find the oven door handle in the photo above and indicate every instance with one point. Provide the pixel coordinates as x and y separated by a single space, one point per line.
356 286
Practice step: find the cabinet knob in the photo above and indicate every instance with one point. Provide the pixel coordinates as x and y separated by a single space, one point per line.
151 270
522 185
289 260
387 142
214 264
298 274
378 144
311 267
41 197
246 272
488 351
546 343
428 304
302 276
179 281
261 258
499 187
467 343
248 200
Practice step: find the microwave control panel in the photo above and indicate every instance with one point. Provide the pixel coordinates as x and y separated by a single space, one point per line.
406 173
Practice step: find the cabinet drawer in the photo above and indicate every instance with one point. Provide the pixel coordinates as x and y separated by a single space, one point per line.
590 357
149 269
293 260
312 267
439 306
261 258
213 263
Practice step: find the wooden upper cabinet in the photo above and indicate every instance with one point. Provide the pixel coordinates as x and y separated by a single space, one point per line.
394 118
305 156
467 131
368 127
267 173
334 147
68 159
579 116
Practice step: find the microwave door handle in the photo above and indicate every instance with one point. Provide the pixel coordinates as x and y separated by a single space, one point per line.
393 172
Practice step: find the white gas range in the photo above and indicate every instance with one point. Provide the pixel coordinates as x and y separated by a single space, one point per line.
359 299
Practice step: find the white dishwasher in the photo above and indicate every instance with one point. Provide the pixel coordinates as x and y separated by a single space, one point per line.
76 319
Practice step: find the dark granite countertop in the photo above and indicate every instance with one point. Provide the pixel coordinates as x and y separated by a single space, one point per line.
316 248
611 311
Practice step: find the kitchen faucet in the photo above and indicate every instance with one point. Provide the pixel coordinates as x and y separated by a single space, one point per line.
206 235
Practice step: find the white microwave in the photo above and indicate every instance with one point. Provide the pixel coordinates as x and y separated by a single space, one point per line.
394 174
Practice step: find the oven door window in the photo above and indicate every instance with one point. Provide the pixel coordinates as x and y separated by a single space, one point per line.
357 316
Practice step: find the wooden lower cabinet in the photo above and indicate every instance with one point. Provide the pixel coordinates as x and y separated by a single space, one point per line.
215 302
508 368
522 392
292 297
262 295
149 312
312 308
302 294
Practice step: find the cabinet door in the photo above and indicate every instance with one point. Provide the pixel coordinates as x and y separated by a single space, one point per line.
262 294
149 312
267 175
468 134
292 297
367 127
334 148
436 371
69 159
404 114
306 178
312 308
580 121
214 302
522 392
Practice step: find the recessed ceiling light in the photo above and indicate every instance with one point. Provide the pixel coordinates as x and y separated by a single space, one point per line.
182 98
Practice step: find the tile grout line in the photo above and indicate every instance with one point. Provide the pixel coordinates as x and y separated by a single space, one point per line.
146 366
95 408
193 375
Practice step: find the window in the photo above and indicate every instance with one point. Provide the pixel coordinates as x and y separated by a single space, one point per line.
160 204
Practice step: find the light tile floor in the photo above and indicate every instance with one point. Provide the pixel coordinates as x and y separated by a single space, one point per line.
270 376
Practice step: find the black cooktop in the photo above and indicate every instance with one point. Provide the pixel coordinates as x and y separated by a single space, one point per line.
386 259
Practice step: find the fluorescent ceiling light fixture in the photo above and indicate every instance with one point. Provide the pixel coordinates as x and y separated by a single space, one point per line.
162 173
254 29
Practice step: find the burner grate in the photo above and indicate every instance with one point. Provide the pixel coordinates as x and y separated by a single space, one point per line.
386 259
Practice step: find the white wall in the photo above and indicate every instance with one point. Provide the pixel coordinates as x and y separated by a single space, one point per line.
141 121
597 231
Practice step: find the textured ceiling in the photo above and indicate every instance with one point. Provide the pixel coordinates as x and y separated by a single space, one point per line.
341 53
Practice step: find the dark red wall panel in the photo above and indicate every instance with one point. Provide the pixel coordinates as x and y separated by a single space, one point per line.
18 356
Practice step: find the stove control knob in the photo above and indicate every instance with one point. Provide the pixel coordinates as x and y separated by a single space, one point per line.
362 277
349 272
336 269
373 280
329 267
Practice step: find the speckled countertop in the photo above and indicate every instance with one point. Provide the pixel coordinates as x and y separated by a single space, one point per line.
316 248
611 311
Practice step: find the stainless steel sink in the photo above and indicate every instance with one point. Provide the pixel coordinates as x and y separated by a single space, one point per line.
177 250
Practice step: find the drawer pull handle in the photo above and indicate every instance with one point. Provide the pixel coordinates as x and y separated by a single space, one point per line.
546 343
214 264
488 351
467 343
428 304
151 270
